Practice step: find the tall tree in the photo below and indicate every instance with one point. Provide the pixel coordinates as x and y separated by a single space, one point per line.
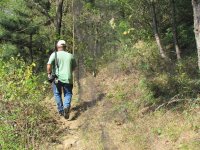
155 29
175 34
196 10
19 27
58 19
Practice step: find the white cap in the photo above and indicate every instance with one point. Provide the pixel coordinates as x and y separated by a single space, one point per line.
61 43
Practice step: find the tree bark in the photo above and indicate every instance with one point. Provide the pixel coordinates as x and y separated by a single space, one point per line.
155 29
196 10
58 19
95 50
31 47
73 33
175 34
73 27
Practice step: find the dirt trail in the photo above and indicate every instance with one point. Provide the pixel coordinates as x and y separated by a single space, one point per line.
90 127
69 134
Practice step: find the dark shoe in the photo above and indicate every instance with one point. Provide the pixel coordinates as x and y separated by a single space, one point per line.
61 113
66 112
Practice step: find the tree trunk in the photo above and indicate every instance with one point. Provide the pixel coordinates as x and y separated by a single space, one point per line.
58 19
196 10
155 29
95 50
31 47
73 27
73 33
175 34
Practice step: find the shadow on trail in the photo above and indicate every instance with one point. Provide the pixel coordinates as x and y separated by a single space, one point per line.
83 106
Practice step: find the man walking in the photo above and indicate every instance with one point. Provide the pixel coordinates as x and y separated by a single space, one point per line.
64 67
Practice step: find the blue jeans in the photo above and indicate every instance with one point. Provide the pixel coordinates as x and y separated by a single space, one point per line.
67 90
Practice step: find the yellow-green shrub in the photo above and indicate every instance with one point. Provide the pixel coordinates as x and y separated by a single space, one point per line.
21 112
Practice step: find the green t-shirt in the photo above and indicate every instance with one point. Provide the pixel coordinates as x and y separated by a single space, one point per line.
66 63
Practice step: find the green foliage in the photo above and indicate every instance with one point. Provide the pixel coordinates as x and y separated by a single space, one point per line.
22 115
8 50
23 30
147 95
160 81
118 31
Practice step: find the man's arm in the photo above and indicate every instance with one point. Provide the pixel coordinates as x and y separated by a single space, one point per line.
48 68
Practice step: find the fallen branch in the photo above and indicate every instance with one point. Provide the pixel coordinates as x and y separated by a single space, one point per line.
173 100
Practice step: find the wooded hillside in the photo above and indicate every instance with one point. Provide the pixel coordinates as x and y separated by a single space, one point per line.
158 41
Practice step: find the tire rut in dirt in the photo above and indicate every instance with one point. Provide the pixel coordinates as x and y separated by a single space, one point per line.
107 142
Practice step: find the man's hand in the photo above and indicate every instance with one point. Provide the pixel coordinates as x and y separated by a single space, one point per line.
49 75
49 69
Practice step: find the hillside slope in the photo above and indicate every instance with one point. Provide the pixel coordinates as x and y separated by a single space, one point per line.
109 116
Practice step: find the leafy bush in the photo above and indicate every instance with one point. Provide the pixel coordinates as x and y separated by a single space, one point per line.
22 121
160 80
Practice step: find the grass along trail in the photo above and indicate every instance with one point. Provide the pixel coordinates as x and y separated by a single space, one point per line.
107 118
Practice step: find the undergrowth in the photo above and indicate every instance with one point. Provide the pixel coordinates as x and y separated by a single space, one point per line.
150 103
23 121
161 81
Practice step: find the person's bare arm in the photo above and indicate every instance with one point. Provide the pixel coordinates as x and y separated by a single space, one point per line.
48 68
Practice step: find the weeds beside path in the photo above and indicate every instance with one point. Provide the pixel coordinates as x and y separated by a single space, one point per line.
107 118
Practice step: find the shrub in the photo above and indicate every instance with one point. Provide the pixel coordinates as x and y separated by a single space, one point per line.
22 114
160 80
